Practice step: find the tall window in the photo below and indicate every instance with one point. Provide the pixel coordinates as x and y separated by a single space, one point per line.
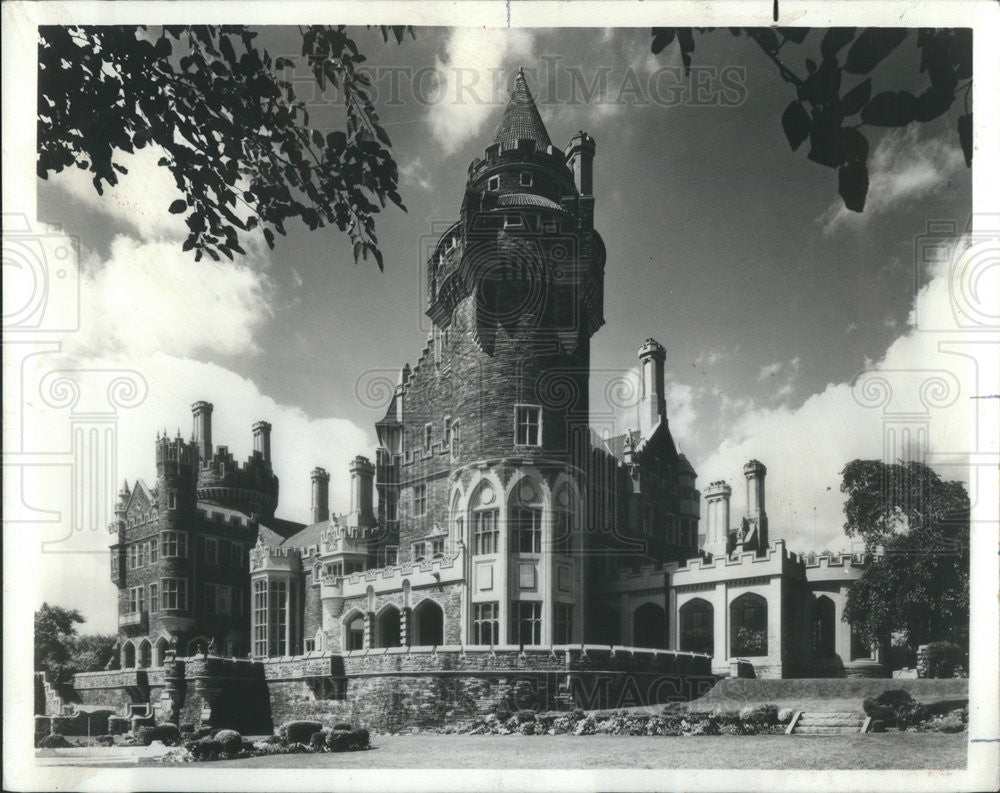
420 500
527 525
486 533
237 601
154 550
419 551
210 596
564 623
485 623
137 600
529 425
437 549
211 550
235 555
277 617
260 617
447 430
428 435
140 550
154 598
454 439
114 561
175 594
356 633
526 622
174 544
561 532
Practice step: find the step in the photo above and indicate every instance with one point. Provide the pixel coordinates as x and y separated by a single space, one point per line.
799 730
842 721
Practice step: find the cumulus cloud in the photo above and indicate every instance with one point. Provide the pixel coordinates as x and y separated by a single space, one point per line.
902 168
471 81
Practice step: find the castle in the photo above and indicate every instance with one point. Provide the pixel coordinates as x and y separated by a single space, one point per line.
503 523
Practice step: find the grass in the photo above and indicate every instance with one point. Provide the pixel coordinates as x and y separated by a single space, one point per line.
882 751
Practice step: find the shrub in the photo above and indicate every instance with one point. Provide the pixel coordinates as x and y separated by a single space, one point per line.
317 741
785 715
166 733
53 742
273 739
343 725
105 740
186 727
230 741
301 731
338 741
205 749
524 715
896 708
878 725
358 739
955 721
943 659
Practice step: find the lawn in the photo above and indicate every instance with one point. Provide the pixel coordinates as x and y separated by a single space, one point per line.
882 751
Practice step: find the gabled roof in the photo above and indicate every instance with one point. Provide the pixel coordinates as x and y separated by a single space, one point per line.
140 485
521 120
308 535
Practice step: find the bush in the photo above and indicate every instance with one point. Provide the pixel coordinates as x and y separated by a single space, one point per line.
944 659
205 749
301 731
878 725
274 739
896 708
53 742
230 741
785 715
338 741
523 716
359 738
166 733
317 741
186 727
343 726
955 721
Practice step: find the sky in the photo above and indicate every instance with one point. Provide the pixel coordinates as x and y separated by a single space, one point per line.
727 247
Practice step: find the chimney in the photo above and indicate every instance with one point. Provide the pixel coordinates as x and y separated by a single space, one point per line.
362 478
202 415
320 495
262 439
580 159
717 519
755 523
652 402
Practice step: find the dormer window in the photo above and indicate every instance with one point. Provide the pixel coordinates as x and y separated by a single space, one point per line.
513 222
527 179
493 183
419 551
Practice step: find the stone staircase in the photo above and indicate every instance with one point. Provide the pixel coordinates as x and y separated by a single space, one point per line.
830 723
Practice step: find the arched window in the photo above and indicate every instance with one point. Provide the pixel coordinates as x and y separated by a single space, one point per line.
160 651
428 623
128 656
563 522
485 522
697 627
145 654
824 627
387 628
526 518
649 626
748 618
354 631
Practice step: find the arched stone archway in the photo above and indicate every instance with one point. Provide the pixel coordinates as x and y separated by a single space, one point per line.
697 627
128 656
354 631
824 627
649 626
428 623
748 625
387 633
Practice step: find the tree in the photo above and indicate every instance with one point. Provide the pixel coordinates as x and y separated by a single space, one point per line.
915 527
92 652
830 119
237 140
55 628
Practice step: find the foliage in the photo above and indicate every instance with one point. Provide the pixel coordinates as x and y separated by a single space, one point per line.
697 640
235 136
916 529
166 733
896 708
954 721
317 741
300 731
53 742
944 659
230 741
750 641
91 653
55 628
830 116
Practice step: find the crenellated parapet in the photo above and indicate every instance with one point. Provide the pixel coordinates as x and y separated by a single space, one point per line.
264 558
251 486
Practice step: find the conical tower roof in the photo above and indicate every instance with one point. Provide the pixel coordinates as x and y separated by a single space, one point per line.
521 120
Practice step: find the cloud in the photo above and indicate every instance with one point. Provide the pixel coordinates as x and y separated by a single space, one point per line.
902 168
709 357
413 172
770 370
472 80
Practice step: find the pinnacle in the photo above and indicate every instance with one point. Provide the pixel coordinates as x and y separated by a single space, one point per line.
520 120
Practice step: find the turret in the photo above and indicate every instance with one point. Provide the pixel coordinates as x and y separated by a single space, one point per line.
652 402
262 439
754 534
717 496
580 159
202 415
320 495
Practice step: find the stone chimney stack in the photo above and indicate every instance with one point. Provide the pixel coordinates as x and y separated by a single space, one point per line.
320 495
262 439
202 415
755 523
652 402
717 520
362 492
580 159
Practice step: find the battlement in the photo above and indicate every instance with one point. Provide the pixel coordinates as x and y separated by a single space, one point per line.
175 450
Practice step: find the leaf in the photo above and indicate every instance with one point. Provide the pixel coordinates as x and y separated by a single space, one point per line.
835 40
810 65
824 140
686 41
177 206
798 35
767 39
856 98
871 47
890 109
796 123
853 145
965 136
269 237
932 103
